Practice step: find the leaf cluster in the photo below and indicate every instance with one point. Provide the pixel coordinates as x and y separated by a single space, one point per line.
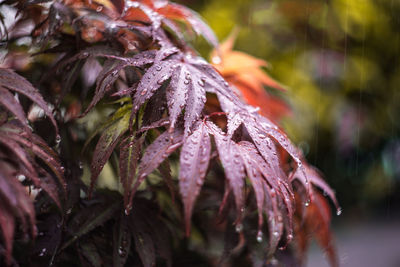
171 100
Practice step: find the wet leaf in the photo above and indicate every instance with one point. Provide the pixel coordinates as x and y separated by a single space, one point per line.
13 82
194 158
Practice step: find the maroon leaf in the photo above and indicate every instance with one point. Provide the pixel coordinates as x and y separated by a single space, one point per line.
121 242
8 101
35 144
143 238
16 83
195 101
155 76
7 225
14 195
177 93
233 165
130 149
156 153
105 146
194 159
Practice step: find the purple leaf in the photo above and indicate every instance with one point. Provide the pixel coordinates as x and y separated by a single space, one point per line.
156 153
177 92
130 149
9 102
105 146
121 242
7 225
195 101
41 150
194 159
155 76
256 179
14 82
233 165
105 81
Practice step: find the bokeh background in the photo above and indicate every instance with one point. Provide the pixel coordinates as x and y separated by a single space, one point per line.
340 60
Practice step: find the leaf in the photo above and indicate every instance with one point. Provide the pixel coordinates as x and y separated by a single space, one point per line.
8 101
13 194
105 146
155 76
194 159
149 232
16 83
41 150
233 166
177 94
110 71
245 73
195 101
314 221
156 153
121 242
89 250
7 225
130 149
180 12
316 179
143 239
89 218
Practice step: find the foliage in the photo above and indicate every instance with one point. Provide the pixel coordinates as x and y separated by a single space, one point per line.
342 74
133 59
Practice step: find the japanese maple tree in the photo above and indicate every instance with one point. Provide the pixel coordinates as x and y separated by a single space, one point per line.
169 122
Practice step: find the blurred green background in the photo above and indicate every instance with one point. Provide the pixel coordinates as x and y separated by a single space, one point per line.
341 62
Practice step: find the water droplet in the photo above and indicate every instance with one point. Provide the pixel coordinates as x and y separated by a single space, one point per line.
276 233
115 72
21 177
186 82
201 83
339 211
158 68
128 209
121 252
273 262
216 60
259 237
99 8
239 227
42 252
69 211
307 203
58 139
289 237
84 55
143 92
